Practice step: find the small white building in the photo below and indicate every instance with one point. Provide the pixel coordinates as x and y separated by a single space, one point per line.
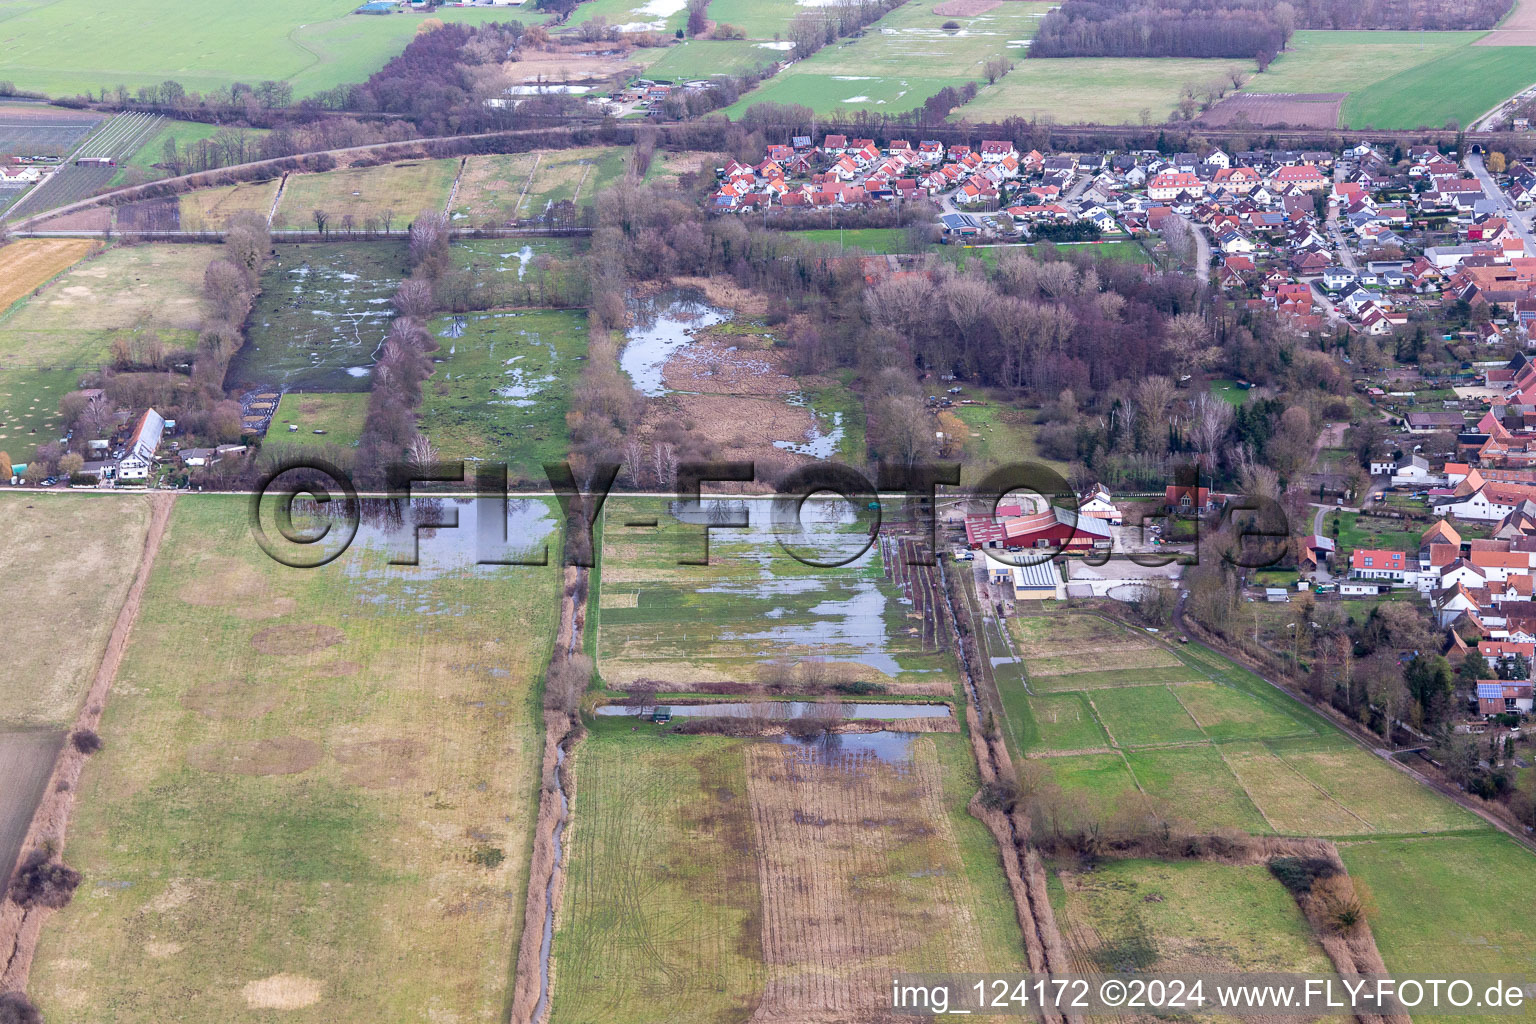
1097 504
142 443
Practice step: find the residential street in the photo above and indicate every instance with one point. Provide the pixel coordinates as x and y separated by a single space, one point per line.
1492 191
1202 249
1341 248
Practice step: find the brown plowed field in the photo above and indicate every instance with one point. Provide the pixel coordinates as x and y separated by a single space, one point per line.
1295 109
30 263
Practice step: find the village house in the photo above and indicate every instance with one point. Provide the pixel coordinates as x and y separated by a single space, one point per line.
139 456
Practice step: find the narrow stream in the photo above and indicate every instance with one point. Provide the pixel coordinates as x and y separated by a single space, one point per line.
542 1006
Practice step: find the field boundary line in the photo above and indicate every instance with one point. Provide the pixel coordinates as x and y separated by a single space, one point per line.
277 197
1329 796
21 927
453 192
517 211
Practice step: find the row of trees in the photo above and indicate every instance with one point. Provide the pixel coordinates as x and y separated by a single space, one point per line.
404 361
1165 28
1235 28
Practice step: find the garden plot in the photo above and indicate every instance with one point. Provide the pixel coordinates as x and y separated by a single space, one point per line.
1289 802
1139 716
1065 721
504 188
754 612
1182 916
211 209
1193 786
328 782
386 196
502 386
1084 652
321 316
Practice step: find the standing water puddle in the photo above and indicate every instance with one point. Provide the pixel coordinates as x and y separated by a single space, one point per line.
663 323
847 749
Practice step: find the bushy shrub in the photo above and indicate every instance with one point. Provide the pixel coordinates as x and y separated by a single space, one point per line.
43 883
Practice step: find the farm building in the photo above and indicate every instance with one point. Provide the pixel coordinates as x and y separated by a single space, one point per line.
1054 528
140 456
1039 581
1057 528
1097 504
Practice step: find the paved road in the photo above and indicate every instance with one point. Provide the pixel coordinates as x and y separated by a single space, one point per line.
1321 298
1491 189
1341 247
1202 249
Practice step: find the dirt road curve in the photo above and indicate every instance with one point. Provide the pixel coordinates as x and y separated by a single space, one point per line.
19 928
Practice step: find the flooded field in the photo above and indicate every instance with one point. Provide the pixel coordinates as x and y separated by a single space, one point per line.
409 544
663 324
519 271
321 316
729 374
755 612
502 387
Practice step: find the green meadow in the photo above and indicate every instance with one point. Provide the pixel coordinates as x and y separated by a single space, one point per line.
66 47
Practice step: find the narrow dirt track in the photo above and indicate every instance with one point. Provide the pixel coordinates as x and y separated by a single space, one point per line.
20 927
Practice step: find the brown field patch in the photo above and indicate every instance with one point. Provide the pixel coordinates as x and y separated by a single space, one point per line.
1297 109
232 584
380 764
281 755
965 8
29 263
729 366
232 698
282 992
296 639
94 218
860 875
1519 29
743 428
580 62
150 215
337 669
26 761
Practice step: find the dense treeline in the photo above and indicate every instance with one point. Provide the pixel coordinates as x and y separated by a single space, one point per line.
1445 15
405 359
1235 28
1165 28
